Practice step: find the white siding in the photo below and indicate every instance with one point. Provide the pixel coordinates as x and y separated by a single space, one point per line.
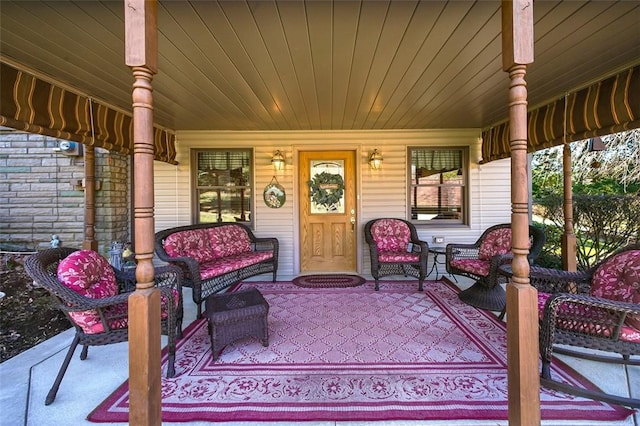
381 193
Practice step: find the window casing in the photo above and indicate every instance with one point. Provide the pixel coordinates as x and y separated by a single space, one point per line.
437 191
221 185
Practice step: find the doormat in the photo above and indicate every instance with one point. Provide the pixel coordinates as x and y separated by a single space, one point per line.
329 281
356 354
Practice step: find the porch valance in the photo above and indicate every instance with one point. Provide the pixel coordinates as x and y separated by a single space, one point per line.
34 105
609 106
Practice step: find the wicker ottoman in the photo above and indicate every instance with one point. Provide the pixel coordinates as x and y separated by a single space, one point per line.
236 315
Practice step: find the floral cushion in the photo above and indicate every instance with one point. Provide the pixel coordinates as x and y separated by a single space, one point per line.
474 266
399 257
619 279
90 275
228 240
192 243
495 243
218 267
586 319
391 235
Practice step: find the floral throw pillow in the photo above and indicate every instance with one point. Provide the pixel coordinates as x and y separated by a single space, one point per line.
495 243
619 279
90 275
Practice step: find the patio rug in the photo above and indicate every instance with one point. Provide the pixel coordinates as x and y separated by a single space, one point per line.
329 280
355 355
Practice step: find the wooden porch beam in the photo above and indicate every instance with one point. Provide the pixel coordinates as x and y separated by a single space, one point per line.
141 34
522 319
90 242
569 260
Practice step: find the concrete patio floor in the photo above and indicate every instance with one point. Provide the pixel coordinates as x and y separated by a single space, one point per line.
26 379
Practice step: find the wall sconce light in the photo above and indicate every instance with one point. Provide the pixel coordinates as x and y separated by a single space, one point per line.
375 160
277 160
596 144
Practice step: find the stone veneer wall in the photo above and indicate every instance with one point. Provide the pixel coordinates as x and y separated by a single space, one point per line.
41 194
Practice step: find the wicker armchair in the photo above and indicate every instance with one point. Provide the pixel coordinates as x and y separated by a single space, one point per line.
94 296
396 250
481 261
598 309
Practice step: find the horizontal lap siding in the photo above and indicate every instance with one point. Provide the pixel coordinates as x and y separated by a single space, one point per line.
382 193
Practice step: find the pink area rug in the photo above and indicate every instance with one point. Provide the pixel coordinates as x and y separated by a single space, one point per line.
355 354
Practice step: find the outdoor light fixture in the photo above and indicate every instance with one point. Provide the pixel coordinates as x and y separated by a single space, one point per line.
277 160
596 144
375 160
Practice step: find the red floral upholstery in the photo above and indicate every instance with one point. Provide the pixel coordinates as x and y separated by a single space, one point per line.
619 279
218 267
191 243
495 243
90 275
474 266
228 241
391 235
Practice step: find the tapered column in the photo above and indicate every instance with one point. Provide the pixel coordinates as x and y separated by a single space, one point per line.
522 323
144 303
89 242
568 237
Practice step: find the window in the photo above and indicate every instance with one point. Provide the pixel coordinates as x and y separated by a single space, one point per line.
437 185
222 181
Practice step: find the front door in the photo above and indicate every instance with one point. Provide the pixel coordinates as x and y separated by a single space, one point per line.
327 211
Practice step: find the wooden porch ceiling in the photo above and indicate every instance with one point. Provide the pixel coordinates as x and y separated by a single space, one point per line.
322 65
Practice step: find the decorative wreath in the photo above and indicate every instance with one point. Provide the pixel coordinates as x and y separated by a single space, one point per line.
326 189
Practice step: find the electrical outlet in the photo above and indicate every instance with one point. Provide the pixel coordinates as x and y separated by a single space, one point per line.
438 240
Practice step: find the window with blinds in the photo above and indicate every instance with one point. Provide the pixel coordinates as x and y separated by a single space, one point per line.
222 185
437 185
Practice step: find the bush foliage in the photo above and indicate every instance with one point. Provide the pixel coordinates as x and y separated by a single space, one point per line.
603 223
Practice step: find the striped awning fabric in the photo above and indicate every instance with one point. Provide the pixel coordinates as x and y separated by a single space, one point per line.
37 106
609 106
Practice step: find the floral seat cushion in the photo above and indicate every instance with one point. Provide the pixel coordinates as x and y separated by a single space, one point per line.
391 236
228 240
90 275
478 267
217 267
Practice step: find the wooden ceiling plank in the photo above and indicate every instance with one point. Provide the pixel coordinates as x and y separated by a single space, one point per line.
296 30
370 25
393 34
207 85
345 19
320 23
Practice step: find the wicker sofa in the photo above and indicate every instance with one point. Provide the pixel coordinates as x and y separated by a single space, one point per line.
214 256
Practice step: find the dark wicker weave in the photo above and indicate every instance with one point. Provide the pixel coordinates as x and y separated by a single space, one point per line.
381 269
191 269
486 292
599 332
42 267
236 315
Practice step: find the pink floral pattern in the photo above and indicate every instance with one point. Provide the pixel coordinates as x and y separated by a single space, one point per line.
391 235
90 275
399 257
495 243
218 267
191 243
228 240
629 334
619 279
475 266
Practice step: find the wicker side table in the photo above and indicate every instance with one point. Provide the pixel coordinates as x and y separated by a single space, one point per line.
234 316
